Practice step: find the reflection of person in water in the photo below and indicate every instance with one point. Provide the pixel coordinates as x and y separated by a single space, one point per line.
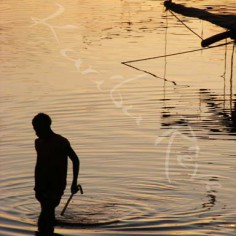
53 151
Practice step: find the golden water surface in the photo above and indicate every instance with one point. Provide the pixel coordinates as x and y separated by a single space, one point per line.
155 140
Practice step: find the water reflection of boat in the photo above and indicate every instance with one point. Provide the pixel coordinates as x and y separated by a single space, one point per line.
225 116
220 116
225 21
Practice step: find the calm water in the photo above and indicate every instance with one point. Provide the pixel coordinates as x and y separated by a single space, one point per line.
158 157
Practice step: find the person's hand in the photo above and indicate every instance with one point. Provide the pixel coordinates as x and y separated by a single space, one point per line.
74 188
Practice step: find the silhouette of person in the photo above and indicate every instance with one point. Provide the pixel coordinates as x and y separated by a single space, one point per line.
52 151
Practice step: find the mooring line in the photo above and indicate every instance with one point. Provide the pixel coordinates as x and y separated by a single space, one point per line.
185 25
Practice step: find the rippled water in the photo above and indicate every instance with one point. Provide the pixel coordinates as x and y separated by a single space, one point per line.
158 157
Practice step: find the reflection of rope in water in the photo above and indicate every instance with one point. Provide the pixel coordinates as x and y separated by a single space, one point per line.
223 76
166 31
165 62
231 79
150 73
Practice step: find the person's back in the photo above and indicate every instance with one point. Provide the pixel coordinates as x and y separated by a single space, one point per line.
51 165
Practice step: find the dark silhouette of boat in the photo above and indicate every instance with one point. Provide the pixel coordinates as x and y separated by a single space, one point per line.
227 22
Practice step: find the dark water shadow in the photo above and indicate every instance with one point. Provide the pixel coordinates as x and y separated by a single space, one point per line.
218 116
80 222
54 234
211 194
222 110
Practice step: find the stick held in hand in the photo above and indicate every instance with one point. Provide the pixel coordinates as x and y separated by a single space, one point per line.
69 199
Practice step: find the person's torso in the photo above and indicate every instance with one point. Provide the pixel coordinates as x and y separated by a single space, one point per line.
52 162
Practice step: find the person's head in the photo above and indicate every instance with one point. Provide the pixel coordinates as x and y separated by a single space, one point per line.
42 125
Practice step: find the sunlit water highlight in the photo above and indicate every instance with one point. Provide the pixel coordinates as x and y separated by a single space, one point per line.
156 158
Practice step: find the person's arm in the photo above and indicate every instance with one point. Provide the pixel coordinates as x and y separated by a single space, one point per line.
76 164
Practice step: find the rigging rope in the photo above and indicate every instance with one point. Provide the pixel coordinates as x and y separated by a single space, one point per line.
185 25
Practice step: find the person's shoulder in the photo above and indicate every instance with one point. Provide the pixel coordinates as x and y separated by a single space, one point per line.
61 138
